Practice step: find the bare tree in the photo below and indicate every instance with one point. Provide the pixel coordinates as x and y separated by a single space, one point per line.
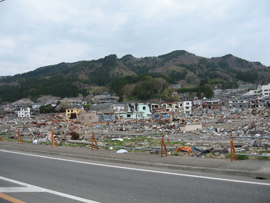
65 103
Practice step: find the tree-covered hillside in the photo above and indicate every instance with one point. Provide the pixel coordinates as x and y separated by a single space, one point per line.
125 74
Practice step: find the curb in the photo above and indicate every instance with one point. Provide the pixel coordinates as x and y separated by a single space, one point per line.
233 172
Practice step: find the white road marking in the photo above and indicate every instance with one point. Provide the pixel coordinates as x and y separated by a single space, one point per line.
31 188
20 189
142 170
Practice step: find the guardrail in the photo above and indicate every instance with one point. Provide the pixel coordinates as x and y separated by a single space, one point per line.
163 149
53 139
233 151
19 137
163 146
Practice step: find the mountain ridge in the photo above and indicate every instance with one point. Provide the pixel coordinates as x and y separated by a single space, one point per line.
178 65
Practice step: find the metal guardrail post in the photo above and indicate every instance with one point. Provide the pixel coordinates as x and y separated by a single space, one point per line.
53 139
163 146
232 149
233 153
94 140
19 137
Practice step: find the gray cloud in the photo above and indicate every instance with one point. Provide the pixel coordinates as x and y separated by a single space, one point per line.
36 33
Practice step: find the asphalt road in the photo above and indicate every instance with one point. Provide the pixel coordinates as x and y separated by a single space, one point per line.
39 179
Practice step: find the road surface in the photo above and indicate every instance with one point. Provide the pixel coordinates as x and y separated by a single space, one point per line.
34 178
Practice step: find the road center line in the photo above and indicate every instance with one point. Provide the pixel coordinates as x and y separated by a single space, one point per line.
142 170
10 199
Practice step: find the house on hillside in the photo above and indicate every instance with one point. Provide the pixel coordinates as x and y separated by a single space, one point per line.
107 100
37 105
76 103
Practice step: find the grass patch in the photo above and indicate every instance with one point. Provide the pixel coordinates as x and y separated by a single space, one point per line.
139 150
209 155
175 153
45 143
117 148
238 157
180 143
70 145
242 157
262 158
266 151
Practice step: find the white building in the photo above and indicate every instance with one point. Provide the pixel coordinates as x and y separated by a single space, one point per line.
265 90
38 105
187 106
238 103
24 113
118 108
262 91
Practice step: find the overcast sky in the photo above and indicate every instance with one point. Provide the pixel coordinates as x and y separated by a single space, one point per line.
36 33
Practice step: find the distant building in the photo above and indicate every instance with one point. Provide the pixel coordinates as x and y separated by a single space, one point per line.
136 111
211 104
106 94
238 103
106 100
187 106
262 91
38 105
217 91
24 112
176 86
88 117
118 107
72 113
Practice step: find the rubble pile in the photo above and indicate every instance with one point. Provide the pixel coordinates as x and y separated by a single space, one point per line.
199 135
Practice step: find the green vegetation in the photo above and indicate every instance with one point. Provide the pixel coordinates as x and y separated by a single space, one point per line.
209 155
34 87
176 154
171 55
238 157
71 145
72 79
223 64
118 84
178 75
148 87
203 88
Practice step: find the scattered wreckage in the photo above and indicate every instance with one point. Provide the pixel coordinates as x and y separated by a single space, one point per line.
200 135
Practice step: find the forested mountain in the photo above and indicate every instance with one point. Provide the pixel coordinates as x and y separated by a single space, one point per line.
71 79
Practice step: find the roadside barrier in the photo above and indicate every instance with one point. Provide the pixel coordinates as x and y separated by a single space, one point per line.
162 149
233 152
163 146
94 140
49 134
54 141
19 137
